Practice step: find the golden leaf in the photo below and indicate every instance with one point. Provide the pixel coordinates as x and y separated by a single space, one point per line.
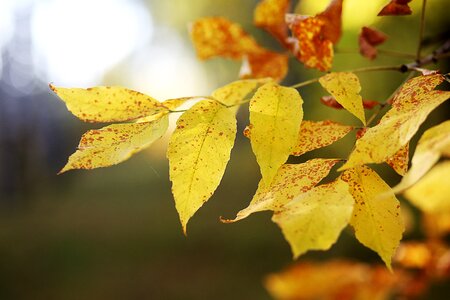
290 181
345 88
314 135
410 107
115 143
269 14
315 219
198 153
377 221
108 104
275 116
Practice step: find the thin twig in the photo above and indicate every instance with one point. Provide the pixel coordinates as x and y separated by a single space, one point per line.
421 30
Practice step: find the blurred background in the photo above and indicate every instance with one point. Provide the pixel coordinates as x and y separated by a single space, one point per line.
114 233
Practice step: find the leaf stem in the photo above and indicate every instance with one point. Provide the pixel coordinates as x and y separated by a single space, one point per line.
380 51
421 30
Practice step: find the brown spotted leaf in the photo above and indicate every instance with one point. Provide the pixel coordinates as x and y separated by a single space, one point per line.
310 47
237 91
198 152
315 219
290 181
368 39
410 107
396 8
314 135
269 14
399 161
108 104
377 221
115 143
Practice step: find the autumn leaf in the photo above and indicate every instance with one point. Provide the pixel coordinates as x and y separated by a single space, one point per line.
275 116
235 92
433 143
198 153
431 193
172 104
310 47
115 143
107 104
396 8
269 14
410 107
314 135
399 161
218 36
377 221
332 18
345 88
264 63
368 39
315 219
333 280
290 181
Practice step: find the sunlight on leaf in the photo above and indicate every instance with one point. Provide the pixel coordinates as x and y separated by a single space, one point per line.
115 143
237 91
314 135
275 116
290 181
198 153
377 221
345 88
410 107
431 193
433 143
107 104
315 219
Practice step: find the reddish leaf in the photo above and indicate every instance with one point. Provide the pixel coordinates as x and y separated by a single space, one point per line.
330 101
269 14
311 47
396 8
332 17
369 104
368 39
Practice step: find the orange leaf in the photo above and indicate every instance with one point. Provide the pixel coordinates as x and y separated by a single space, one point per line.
265 64
332 17
269 14
218 36
396 8
368 39
311 47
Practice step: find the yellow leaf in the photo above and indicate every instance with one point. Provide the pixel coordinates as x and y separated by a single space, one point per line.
275 116
198 153
415 100
314 220
314 135
377 221
433 143
399 161
115 143
431 193
172 104
345 88
290 181
108 104
237 91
